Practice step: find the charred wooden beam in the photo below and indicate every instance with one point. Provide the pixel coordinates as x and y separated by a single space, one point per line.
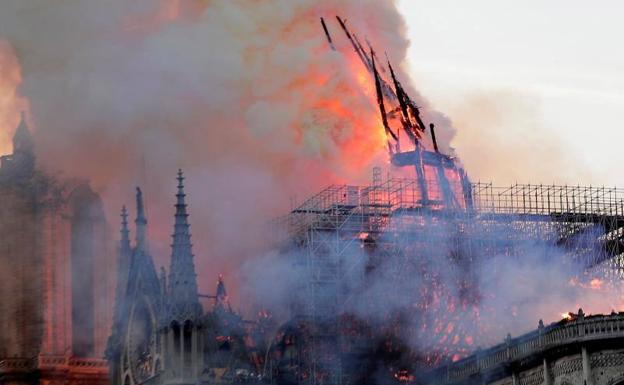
380 102
327 35
433 138
343 25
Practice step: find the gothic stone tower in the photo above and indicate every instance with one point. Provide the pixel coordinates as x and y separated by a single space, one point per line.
183 314
161 334
134 347
55 297
156 336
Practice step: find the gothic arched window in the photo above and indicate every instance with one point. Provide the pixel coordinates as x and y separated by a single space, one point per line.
175 329
188 342
141 341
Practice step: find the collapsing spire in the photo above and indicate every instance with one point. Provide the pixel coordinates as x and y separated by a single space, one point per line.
183 296
141 222
380 102
406 113
327 35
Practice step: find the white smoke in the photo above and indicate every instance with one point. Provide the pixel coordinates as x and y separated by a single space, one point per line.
455 290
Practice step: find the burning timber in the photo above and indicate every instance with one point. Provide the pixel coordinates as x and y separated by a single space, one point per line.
387 278
425 239
390 223
376 269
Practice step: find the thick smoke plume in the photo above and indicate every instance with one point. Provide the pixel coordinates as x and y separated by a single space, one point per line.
450 290
249 100
245 96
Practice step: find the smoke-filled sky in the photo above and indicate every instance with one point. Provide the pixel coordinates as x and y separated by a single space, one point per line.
245 96
535 88
248 99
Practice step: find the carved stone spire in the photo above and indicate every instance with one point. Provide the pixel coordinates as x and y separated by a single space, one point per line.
123 266
124 244
183 297
141 223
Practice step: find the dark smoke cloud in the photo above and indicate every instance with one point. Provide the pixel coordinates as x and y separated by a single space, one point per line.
244 95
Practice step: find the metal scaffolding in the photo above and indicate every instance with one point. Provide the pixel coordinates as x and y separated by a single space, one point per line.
392 218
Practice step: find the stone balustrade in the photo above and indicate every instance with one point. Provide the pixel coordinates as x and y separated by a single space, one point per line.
577 330
16 364
47 362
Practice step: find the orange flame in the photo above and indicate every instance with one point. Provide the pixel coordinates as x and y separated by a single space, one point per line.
11 103
596 284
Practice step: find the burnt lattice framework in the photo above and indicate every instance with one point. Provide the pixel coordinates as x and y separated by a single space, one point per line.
328 229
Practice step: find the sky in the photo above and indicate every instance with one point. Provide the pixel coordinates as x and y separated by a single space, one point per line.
532 86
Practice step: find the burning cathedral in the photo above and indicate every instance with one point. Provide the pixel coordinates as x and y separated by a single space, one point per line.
386 292
425 238
161 333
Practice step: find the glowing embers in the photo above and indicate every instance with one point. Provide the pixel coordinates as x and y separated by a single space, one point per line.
567 316
434 281
404 376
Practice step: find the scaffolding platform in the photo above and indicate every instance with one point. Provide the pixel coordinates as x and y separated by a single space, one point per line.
395 220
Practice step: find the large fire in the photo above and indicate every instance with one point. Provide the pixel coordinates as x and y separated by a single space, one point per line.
246 96
328 105
294 113
11 103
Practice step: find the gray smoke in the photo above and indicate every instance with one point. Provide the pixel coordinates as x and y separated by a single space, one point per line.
245 96
456 290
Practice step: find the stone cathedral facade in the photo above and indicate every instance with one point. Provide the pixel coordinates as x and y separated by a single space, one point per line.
56 306
161 333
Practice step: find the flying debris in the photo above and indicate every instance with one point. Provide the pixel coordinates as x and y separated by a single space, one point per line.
366 60
329 39
364 54
404 112
357 49
382 107
433 138
412 132
400 114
